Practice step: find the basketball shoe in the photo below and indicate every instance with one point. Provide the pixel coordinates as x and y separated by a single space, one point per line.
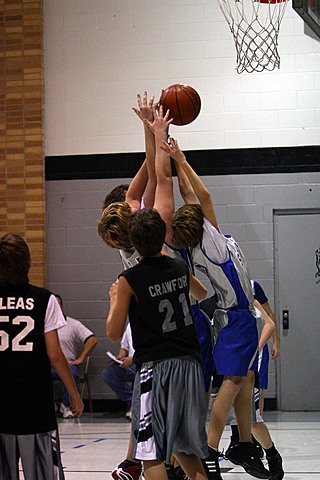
245 454
127 470
211 465
234 440
176 473
275 466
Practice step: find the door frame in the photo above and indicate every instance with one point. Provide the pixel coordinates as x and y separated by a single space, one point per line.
277 213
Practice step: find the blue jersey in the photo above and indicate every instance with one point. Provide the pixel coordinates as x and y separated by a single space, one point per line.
220 258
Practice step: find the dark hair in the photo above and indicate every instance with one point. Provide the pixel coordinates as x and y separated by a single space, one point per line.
147 232
118 194
187 226
15 260
59 298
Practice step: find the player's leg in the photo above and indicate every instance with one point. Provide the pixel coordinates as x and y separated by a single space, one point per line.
192 466
129 469
9 457
274 459
40 456
244 453
154 470
242 407
228 390
220 409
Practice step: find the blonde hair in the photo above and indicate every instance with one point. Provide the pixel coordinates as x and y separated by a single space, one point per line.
113 227
187 226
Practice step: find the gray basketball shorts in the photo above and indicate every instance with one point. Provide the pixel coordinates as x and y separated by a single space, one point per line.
39 454
169 410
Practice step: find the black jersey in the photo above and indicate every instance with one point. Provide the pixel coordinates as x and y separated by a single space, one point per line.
160 315
26 394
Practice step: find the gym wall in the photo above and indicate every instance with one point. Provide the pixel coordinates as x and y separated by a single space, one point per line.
255 142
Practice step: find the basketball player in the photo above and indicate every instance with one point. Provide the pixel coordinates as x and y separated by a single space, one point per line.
29 344
262 438
169 382
220 258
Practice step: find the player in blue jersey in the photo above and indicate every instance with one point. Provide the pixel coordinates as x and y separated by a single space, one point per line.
236 337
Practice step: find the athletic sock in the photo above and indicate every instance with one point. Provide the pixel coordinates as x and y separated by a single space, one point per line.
235 431
271 452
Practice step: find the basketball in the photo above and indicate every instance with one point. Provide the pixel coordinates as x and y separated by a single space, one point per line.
183 101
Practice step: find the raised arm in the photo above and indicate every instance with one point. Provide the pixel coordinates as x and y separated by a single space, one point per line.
164 199
144 111
185 187
137 187
198 186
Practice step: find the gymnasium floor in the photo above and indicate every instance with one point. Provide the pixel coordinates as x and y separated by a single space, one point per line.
93 446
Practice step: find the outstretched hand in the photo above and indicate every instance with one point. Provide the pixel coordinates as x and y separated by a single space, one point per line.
160 122
172 148
145 108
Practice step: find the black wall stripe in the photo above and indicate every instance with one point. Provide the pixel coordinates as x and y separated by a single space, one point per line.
205 162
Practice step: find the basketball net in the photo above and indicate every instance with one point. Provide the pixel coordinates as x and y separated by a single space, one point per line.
255 26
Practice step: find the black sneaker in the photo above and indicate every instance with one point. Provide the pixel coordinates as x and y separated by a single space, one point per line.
176 473
211 465
275 466
258 447
127 470
233 442
244 454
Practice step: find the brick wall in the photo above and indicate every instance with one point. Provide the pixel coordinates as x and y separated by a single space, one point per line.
22 205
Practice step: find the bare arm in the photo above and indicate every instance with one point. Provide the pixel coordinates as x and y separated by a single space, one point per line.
164 199
275 350
197 289
145 112
120 295
185 187
88 347
268 328
137 187
198 186
61 366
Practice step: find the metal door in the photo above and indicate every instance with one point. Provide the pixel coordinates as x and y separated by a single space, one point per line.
297 300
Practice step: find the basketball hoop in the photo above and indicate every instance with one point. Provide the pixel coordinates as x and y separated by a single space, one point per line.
255 26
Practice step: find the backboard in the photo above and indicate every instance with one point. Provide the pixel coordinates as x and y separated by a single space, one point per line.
309 10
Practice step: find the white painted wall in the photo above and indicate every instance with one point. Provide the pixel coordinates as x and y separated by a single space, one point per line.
100 53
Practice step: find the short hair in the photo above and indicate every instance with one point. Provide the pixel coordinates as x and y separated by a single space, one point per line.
59 298
147 232
113 226
15 260
118 194
187 226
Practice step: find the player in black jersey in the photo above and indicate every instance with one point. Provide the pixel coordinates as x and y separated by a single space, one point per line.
30 317
169 402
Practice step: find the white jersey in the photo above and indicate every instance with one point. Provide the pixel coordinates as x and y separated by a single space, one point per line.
129 258
220 258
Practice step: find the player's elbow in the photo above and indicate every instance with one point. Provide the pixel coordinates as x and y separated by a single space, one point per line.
113 334
202 294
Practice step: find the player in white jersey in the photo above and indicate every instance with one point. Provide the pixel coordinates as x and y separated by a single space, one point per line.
220 258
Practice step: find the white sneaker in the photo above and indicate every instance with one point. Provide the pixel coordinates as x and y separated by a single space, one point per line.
66 412
128 415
